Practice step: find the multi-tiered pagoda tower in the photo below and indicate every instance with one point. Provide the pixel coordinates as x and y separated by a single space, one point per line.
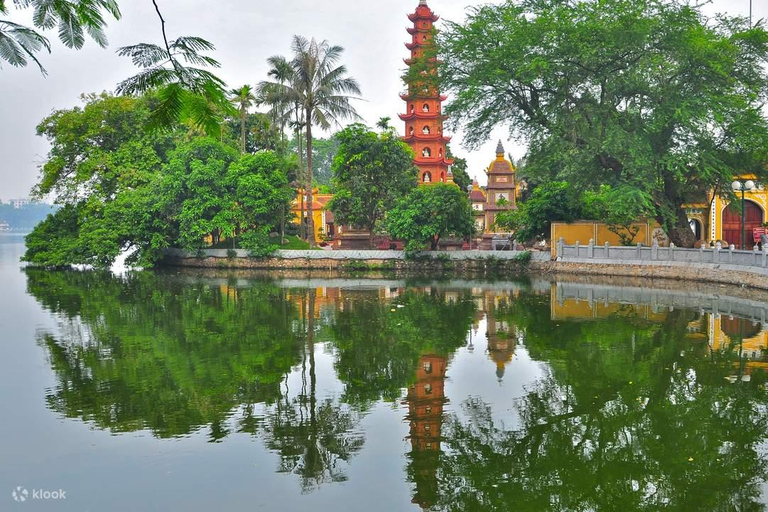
423 117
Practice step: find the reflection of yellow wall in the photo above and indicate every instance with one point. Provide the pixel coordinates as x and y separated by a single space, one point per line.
585 231
752 347
572 309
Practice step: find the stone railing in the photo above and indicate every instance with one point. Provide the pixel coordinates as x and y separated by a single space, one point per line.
755 259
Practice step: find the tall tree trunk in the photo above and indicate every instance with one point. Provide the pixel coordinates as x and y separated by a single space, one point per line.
300 150
678 229
243 113
370 239
310 220
680 233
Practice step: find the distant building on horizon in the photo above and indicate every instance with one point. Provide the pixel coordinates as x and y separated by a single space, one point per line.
18 204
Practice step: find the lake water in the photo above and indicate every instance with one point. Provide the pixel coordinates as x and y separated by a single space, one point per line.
198 392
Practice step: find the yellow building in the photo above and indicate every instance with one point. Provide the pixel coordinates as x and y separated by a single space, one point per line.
325 228
717 220
714 220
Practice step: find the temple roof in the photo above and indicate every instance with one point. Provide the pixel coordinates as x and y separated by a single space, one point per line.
476 195
501 165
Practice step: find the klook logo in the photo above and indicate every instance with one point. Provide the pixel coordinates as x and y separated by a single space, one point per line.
20 494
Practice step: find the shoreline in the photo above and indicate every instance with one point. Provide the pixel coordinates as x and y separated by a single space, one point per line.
477 264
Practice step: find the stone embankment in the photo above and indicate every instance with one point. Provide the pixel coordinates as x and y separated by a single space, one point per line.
704 265
722 266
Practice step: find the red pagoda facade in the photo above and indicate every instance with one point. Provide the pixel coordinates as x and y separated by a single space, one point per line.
423 117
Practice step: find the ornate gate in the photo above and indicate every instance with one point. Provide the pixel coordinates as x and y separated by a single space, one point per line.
732 223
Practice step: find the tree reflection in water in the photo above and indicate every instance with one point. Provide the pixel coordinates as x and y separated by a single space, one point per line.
635 413
629 418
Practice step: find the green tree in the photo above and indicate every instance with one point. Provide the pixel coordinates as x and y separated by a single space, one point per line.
263 195
430 213
243 99
101 165
371 172
260 133
321 91
208 190
459 170
553 201
648 94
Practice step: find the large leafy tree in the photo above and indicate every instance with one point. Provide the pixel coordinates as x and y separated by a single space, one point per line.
429 214
101 165
319 90
124 186
371 173
645 93
209 192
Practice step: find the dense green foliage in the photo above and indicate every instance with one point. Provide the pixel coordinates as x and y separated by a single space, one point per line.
558 201
647 94
429 214
323 154
208 189
371 173
124 186
555 201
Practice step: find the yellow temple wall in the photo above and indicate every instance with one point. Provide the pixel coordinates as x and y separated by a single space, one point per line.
584 231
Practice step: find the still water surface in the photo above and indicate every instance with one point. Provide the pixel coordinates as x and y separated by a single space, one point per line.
182 391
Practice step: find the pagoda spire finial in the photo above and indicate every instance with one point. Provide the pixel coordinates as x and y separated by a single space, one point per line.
500 149
422 2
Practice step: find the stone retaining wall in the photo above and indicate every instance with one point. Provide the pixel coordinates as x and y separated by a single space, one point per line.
478 262
676 270
458 261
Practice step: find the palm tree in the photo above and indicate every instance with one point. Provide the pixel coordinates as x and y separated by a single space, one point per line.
243 99
321 91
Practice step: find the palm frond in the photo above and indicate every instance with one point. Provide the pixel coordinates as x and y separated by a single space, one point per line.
70 30
168 112
19 44
147 80
144 55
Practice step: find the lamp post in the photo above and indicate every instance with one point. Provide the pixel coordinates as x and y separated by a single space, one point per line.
745 186
470 187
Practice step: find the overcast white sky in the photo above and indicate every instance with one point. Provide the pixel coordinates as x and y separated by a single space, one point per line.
245 33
